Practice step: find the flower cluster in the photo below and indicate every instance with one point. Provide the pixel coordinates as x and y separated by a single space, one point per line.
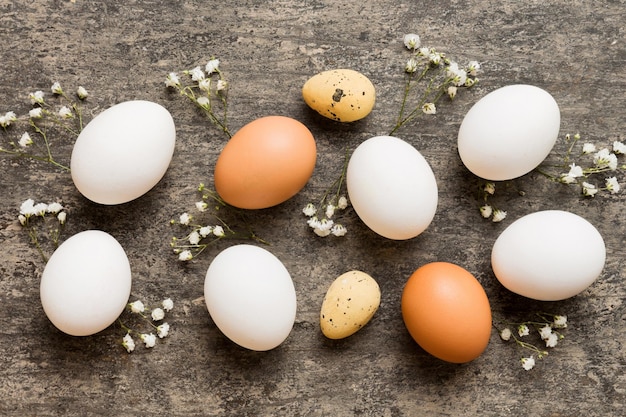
487 210
207 89
150 316
34 142
204 227
601 161
443 77
545 329
30 212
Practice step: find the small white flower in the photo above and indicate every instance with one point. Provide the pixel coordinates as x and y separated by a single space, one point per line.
56 88
434 58
523 330
212 66
36 113
612 185
411 65
469 82
128 343
321 232
54 208
412 41
204 102
560 321
65 113
82 93
185 255
25 140
205 84
201 206
552 340
205 231
528 363
424 51
575 171
157 314
40 209
603 158
338 230
218 231
184 219
197 74
137 307
36 97
619 147
194 238
567 179
486 211
313 222
429 108
498 215
148 339
330 211
490 188
473 67
62 216
22 219
309 210
27 208
589 190
545 332
342 203
221 85
167 304
505 334
8 118
589 148
452 91
172 80
163 330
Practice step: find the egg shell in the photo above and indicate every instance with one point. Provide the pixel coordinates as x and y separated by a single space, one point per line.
548 255
86 283
123 152
392 188
349 304
343 95
509 132
250 297
446 311
265 163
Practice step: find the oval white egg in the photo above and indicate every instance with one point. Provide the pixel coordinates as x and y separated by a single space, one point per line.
123 152
548 255
392 187
250 297
86 283
509 132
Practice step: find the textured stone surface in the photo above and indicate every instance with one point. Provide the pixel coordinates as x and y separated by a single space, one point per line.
123 50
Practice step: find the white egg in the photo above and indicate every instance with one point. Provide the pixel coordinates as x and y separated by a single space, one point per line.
86 283
548 255
391 187
509 132
123 152
250 297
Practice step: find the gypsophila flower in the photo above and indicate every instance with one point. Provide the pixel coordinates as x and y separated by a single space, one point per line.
8 118
589 190
545 332
36 113
56 88
490 188
486 211
202 206
194 238
619 147
25 140
309 210
54 208
528 363
65 112
330 210
552 340
603 158
137 306
205 85
22 219
560 321
429 108
412 41
157 314
184 219
221 85
167 304
498 215
128 343
40 209
472 68
452 91
197 74
523 330
218 231
589 148
172 80
82 93
338 230
575 171
506 334
163 330
148 339
37 97
185 255
411 65
212 66
205 231
612 185
62 216
342 203
204 102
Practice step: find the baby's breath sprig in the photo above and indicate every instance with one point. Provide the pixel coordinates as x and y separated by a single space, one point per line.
486 190
442 76
207 89
32 213
34 143
332 200
545 328
207 229
601 161
155 320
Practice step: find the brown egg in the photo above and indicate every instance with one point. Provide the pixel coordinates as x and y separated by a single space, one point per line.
265 163
446 311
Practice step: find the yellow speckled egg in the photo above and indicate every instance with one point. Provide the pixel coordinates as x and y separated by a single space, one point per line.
343 95
349 304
